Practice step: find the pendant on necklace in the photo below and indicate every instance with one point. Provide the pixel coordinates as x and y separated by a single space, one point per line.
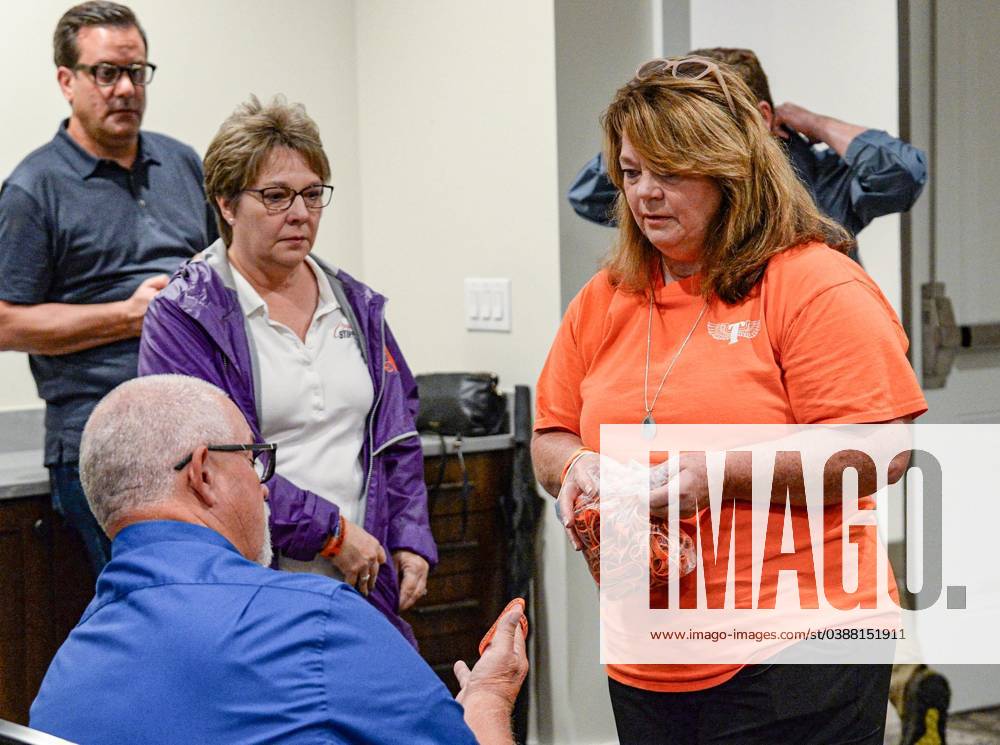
648 427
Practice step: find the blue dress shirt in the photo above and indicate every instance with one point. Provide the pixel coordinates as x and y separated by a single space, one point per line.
188 642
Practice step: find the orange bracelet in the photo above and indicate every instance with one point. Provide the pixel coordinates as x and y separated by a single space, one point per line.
571 460
336 542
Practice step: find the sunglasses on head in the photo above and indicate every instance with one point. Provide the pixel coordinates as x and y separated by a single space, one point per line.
694 68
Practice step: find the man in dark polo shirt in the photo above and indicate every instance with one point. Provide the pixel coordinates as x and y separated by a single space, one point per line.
91 225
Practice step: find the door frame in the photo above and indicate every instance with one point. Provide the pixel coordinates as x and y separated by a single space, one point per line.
917 99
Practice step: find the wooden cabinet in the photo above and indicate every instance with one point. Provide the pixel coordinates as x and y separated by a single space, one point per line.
45 584
465 590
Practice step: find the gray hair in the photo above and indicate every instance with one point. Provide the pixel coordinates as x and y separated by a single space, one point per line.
139 431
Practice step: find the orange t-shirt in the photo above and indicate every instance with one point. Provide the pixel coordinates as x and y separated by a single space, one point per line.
818 343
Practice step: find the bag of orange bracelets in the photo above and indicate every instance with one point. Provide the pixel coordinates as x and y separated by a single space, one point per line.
670 553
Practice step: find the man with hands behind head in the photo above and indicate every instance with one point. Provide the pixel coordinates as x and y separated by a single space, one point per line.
91 225
862 174
190 640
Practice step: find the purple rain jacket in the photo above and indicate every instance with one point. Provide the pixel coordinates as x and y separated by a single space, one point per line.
196 327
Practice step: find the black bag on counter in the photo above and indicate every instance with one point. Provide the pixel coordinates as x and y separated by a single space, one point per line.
459 405
465 404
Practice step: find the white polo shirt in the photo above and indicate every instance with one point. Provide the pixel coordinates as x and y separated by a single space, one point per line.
314 401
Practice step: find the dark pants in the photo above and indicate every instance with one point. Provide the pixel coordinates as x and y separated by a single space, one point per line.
765 704
69 501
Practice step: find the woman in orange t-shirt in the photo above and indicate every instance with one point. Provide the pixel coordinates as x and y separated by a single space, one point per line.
726 299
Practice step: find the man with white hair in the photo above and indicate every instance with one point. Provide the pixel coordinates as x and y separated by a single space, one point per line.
189 640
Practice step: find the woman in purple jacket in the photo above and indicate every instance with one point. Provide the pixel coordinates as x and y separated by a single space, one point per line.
305 352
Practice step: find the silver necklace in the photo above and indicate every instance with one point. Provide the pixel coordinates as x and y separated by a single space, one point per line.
649 424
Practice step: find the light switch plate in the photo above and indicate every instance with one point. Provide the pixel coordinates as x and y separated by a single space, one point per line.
487 304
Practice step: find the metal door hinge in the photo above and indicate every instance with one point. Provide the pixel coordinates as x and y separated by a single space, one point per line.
941 336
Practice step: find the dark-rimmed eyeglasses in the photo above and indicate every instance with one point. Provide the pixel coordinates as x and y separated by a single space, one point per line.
693 67
280 198
264 457
106 75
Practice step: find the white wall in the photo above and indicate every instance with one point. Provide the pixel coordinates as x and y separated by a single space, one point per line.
837 59
211 56
458 149
598 47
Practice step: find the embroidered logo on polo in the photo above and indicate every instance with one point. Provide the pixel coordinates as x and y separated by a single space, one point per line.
733 332
343 331
390 363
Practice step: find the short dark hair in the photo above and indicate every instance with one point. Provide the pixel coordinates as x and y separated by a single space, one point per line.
745 64
66 51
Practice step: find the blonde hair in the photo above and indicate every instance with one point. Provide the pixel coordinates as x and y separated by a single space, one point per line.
245 139
683 125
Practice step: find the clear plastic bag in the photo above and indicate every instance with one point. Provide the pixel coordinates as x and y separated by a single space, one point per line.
670 553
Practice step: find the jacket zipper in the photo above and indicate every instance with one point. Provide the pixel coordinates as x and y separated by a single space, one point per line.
371 418
398 438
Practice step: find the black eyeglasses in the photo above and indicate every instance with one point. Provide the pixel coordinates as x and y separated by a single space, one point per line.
105 74
280 198
264 457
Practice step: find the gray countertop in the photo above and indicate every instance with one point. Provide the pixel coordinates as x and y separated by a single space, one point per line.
22 432
432 445
22 473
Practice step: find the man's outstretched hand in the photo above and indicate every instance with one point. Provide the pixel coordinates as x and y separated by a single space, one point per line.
490 688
